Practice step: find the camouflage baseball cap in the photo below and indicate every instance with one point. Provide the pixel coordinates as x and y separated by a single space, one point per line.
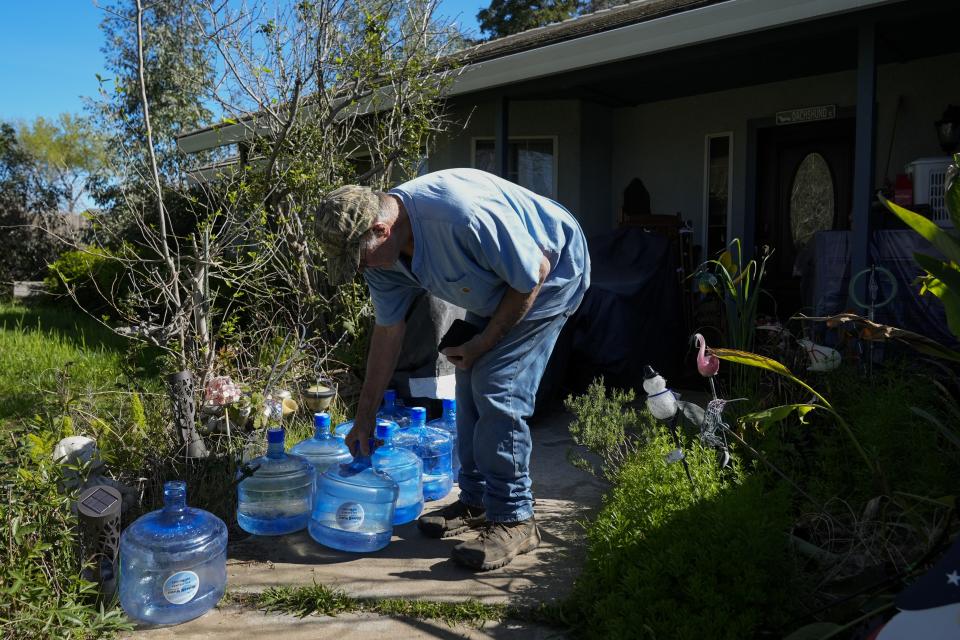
344 216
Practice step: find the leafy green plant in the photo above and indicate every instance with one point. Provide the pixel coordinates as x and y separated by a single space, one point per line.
776 414
93 275
605 424
663 562
42 594
737 283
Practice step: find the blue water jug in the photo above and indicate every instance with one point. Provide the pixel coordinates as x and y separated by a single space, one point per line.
354 507
173 562
278 497
433 447
393 410
448 422
406 470
389 410
323 450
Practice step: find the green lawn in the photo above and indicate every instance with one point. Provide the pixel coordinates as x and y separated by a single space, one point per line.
39 343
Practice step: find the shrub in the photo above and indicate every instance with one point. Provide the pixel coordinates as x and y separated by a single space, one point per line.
93 275
664 563
41 592
605 424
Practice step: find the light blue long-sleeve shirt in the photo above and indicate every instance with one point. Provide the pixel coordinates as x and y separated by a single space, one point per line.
474 235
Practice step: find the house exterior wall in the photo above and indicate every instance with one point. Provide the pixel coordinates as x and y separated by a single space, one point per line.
557 118
662 143
600 149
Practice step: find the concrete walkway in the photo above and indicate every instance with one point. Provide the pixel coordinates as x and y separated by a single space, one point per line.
414 567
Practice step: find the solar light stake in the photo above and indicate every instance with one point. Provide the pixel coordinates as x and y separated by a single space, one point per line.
99 514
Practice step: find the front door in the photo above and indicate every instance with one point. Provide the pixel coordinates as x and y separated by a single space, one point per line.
805 184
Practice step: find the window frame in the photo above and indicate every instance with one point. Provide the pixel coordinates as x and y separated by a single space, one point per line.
556 155
705 202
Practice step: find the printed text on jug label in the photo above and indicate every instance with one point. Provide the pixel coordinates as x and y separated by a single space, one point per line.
350 516
181 587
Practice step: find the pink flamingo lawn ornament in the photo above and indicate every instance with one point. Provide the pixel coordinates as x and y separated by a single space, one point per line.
707 364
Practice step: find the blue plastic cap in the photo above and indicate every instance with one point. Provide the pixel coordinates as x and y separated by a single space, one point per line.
389 396
386 429
418 415
275 436
449 405
321 421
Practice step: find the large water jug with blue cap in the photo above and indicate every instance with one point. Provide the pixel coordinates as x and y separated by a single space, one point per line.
448 422
322 450
393 409
389 410
404 467
173 562
277 498
433 447
354 507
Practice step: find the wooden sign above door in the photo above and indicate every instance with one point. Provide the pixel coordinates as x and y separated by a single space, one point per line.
807 114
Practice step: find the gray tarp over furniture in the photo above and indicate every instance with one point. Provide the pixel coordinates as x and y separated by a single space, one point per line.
630 317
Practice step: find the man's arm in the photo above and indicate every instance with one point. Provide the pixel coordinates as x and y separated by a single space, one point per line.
382 358
512 308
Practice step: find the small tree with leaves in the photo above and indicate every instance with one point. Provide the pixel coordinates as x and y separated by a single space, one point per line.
319 94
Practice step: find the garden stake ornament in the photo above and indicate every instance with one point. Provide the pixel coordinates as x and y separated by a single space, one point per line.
712 429
662 403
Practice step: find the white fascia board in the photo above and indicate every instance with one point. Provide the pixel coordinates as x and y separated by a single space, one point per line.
695 26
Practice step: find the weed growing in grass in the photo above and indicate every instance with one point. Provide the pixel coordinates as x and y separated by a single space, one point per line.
319 599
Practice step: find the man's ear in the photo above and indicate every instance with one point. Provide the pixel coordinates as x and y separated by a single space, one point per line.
381 230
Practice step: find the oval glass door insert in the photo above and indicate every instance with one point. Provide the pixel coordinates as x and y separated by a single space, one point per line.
812 201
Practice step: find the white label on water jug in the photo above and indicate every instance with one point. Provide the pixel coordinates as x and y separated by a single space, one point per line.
350 516
181 587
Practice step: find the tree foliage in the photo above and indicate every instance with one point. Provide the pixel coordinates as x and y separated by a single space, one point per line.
507 17
23 185
66 151
221 262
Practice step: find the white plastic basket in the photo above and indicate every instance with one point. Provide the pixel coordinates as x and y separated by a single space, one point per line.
929 182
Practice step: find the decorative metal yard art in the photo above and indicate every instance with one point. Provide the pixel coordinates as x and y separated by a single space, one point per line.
180 388
713 431
871 305
662 403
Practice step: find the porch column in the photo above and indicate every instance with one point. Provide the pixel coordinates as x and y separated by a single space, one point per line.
502 137
863 186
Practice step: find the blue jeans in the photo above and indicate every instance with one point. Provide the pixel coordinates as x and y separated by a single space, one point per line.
494 399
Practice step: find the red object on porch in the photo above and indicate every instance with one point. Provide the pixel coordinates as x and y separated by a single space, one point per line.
903 190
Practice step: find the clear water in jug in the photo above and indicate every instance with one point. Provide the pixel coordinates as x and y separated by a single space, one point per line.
448 422
354 507
406 470
434 448
173 562
278 497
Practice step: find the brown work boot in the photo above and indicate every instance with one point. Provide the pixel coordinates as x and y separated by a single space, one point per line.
498 544
452 519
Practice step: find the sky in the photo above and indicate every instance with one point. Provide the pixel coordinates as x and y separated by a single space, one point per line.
50 53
